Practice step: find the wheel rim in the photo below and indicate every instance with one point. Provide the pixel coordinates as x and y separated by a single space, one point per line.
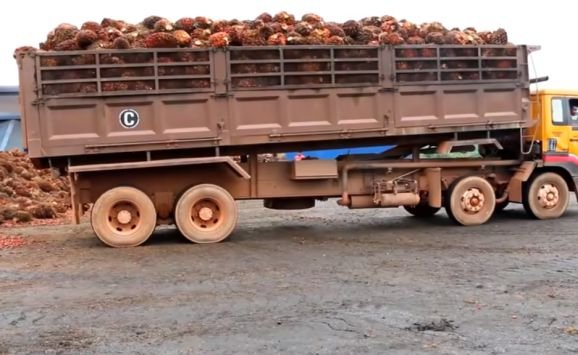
206 214
472 200
124 217
548 196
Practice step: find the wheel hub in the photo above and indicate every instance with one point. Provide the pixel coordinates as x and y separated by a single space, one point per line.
124 217
206 214
472 200
548 196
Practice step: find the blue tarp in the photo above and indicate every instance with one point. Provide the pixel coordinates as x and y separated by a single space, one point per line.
10 132
10 128
334 153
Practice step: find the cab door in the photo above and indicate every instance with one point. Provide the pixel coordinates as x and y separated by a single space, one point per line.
573 123
558 131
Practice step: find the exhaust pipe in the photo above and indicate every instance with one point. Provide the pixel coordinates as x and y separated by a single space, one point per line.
386 200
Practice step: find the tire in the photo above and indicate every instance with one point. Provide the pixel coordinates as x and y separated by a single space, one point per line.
206 214
471 200
540 189
123 217
422 210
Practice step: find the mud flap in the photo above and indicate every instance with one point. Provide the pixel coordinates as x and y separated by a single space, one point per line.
515 187
575 178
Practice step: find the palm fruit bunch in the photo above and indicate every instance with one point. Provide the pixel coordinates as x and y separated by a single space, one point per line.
160 32
28 194
281 29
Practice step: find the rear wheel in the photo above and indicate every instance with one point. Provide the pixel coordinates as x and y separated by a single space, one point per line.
422 210
471 201
206 214
123 217
546 196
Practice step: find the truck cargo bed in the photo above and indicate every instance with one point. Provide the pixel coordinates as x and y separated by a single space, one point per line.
80 103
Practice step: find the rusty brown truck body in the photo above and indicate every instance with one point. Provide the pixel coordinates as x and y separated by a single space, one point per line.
174 136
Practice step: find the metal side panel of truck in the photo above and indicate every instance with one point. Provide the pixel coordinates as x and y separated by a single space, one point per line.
97 102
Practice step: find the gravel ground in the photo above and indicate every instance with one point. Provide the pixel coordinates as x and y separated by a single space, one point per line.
322 281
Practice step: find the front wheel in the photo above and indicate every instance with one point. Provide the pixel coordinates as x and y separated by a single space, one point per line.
471 201
546 196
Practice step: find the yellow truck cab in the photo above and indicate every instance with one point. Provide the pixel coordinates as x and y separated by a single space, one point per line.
556 116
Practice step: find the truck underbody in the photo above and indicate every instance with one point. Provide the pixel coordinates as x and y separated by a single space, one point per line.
198 194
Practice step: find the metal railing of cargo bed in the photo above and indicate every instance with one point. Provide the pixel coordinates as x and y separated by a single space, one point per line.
290 67
419 64
287 67
124 72
191 70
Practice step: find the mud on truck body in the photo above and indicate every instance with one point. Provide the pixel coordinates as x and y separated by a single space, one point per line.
173 136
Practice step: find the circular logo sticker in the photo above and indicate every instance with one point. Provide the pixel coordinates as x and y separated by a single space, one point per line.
129 118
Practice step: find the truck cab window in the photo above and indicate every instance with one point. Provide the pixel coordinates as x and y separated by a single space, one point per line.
558 112
573 109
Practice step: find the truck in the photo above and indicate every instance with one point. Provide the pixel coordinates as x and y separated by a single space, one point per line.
151 137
